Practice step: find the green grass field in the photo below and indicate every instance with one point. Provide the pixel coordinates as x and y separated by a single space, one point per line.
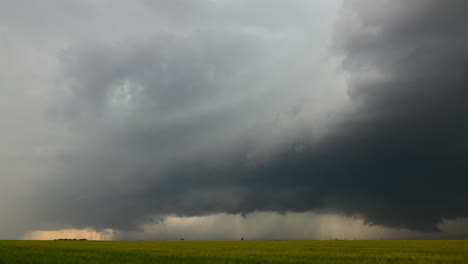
234 252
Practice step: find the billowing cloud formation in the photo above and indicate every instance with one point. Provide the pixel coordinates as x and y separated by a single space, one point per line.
210 107
404 150
133 96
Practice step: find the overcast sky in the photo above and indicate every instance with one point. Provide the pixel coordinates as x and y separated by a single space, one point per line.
216 119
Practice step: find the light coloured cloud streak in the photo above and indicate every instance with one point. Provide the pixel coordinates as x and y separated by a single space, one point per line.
259 226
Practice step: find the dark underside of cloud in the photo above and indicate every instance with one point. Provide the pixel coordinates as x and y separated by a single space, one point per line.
399 158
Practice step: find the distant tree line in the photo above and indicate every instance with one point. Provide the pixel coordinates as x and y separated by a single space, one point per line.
81 239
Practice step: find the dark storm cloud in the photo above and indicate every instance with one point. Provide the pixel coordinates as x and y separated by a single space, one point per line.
101 100
198 114
398 158
142 107
144 113
405 148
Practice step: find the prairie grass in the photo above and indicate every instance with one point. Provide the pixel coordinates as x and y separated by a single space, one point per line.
328 252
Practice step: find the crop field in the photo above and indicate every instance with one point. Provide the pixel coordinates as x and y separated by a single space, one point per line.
453 251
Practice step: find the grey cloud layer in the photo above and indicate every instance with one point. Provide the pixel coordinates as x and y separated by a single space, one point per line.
137 93
216 108
171 126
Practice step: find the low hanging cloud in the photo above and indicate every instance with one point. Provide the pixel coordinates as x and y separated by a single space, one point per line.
211 108
404 149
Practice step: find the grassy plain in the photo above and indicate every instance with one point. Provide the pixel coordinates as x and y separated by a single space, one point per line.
219 252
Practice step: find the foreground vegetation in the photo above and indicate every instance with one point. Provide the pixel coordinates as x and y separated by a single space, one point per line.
234 252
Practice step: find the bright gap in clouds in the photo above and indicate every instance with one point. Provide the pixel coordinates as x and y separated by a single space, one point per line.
258 226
